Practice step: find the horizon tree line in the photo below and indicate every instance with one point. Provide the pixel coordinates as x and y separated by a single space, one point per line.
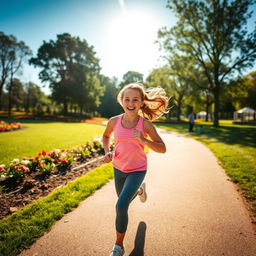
206 52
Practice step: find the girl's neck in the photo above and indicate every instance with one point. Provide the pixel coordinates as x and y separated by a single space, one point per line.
130 118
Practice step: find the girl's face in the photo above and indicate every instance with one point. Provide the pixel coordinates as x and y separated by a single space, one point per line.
132 101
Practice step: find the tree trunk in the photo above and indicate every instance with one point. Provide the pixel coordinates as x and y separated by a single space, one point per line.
1 93
178 110
65 107
208 104
216 107
10 99
207 113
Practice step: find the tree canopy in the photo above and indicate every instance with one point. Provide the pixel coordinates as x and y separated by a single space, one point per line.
71 67
214 33
12 55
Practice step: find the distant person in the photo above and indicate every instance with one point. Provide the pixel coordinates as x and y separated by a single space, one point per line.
191 121
129 160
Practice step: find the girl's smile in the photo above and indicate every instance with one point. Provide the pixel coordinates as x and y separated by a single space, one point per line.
132 101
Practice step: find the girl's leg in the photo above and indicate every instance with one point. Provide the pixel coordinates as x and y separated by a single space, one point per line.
127 194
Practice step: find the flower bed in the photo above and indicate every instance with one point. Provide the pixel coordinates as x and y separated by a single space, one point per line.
28 179
6 127
45 162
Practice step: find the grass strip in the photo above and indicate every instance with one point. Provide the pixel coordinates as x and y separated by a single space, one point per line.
21 229
234 147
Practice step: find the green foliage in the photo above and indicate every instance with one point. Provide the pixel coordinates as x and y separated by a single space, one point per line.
242 91
22 228
214 34
131 77
70 66
109 106
13 53
35 100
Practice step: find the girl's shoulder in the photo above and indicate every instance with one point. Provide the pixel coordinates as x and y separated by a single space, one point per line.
112 121
147 125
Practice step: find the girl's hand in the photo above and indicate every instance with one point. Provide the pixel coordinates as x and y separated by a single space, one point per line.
138 135
108 157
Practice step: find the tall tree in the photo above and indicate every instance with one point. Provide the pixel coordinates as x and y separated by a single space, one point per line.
68 64
109 106
212 31
16 94
131 77
12 54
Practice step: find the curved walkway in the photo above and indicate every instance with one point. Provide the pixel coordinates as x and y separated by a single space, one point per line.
192 210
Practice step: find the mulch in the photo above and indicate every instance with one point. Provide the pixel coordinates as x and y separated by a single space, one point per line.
14 196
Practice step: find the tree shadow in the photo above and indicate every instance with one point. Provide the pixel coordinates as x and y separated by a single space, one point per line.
139 240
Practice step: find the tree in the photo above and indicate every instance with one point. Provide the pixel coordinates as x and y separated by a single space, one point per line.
16 94
250 84
109 106
212 31
87 94
12 55
131 77
242 91
35 100
69 65
162 77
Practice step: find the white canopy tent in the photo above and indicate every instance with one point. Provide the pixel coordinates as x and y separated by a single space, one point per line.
201 115
244 114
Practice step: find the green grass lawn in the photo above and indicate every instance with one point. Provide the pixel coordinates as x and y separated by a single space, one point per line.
235 148
42 135
21 229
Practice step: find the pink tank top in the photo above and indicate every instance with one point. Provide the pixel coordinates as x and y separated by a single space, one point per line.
129 153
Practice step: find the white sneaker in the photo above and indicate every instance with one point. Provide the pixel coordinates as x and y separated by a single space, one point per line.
117 251
143 195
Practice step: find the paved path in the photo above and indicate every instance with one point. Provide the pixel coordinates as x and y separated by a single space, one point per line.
192 210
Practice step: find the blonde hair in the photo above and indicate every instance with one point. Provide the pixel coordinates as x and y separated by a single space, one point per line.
155 100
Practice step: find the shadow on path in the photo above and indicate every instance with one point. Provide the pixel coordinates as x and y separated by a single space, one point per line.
139 240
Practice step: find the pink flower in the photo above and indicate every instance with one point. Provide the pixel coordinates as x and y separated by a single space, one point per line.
23 167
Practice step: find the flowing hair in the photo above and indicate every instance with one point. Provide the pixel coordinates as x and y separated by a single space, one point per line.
155 100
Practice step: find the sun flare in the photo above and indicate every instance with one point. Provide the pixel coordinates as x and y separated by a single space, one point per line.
130 43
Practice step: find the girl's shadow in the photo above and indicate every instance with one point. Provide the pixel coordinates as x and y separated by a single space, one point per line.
139 240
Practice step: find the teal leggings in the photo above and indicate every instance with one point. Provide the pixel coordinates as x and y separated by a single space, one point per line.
127 185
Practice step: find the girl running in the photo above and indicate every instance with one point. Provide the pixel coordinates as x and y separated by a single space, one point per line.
130 131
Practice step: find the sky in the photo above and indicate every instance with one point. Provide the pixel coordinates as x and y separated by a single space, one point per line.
123 32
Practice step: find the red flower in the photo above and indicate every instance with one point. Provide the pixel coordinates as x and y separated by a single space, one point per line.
63 161
44 153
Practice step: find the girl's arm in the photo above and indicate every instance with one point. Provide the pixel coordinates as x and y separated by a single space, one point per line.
157 143
106 139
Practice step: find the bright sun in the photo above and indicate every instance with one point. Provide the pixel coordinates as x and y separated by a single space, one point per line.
129 43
